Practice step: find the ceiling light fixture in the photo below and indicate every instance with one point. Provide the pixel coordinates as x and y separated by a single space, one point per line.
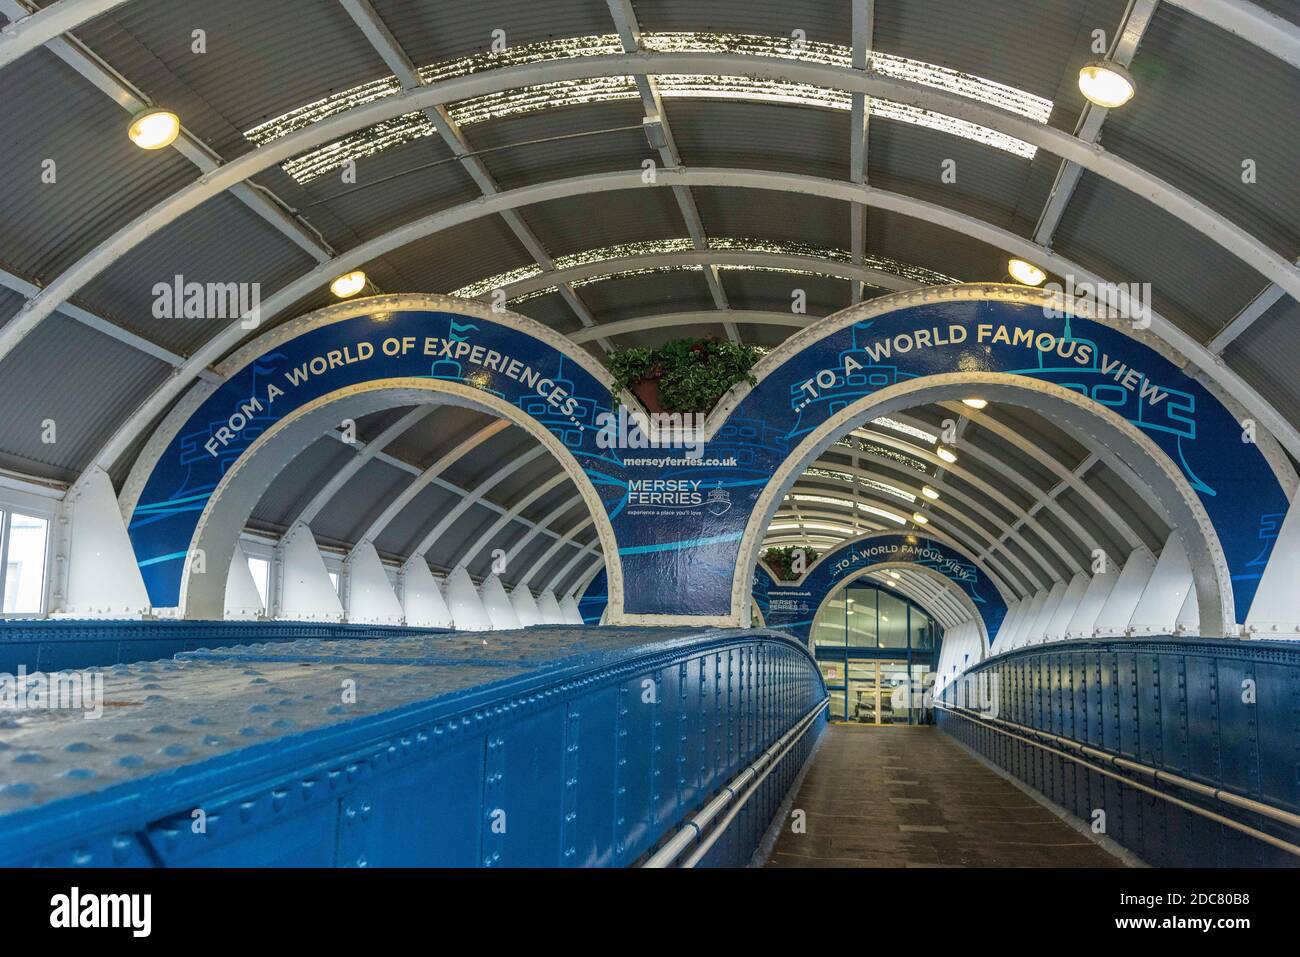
929 493
153 129
947 454
1107 84
975 403
1025 273
919 518
349 284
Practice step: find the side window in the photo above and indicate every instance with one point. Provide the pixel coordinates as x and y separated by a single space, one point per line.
23 540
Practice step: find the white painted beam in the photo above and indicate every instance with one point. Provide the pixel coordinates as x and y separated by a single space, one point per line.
1117 612
1231 383
306 592
371 599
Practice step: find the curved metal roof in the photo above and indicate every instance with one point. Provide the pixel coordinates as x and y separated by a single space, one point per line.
519 168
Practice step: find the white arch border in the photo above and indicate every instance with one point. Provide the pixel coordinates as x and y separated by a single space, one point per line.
1175 500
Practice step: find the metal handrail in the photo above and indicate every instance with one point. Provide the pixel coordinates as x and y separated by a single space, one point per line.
1227 797
750 778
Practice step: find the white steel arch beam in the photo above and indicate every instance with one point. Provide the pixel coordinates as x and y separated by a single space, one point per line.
1249 21
1063 474
588 573
559 576
970 503
425 478
26 33
779 262
542 523
381 38
970 541
992 491
1231 383
1252 23
1037 492
1232 237
366 451
472 499
470 553
752 317
546 556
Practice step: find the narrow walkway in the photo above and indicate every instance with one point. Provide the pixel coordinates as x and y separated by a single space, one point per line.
910 797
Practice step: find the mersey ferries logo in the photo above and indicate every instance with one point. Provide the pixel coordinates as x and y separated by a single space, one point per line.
719 500
680 495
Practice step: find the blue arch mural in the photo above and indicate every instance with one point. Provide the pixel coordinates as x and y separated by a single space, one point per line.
792 606
679 520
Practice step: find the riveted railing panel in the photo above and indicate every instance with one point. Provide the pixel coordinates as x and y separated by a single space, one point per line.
541 747
1185 751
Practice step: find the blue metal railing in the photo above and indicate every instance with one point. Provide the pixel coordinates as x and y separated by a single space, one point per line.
543 747
1184 751
62 643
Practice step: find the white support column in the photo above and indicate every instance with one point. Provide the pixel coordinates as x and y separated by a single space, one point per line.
1275 612
569 608
103 579
497 604
1189 616
464 603
1166 592
550 609
1026 623
1058 624
242 600
1037 632
1008 626
371 599
306 592
1113 619
1084 620
422 601
525 606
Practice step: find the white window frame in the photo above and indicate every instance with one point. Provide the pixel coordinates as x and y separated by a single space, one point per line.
36 506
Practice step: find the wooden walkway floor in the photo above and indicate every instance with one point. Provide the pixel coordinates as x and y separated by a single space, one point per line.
910 797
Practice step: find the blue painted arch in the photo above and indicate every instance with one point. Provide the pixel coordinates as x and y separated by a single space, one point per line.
687 531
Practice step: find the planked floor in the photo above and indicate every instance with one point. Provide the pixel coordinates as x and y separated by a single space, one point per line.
910 797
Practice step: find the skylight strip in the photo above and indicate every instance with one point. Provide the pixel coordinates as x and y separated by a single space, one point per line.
516 102
652 247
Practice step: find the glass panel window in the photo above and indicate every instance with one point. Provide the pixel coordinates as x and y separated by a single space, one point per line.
828 629
24 571
861 608
260 569
893 621
334 580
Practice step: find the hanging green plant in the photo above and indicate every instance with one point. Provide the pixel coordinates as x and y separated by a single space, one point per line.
685 375
781 560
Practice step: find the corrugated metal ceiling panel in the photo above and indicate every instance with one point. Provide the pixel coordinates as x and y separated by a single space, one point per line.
1207 101
82 381
647 295
606 219
436 31
1124 238
393 187
1265 356
761 136
557 144
445 261
766 214
223 241
262 59
102 178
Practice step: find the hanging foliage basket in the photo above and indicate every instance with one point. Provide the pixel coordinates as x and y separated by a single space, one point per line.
781 561
685 375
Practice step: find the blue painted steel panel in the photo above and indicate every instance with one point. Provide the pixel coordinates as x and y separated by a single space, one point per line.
1221 712
540 747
